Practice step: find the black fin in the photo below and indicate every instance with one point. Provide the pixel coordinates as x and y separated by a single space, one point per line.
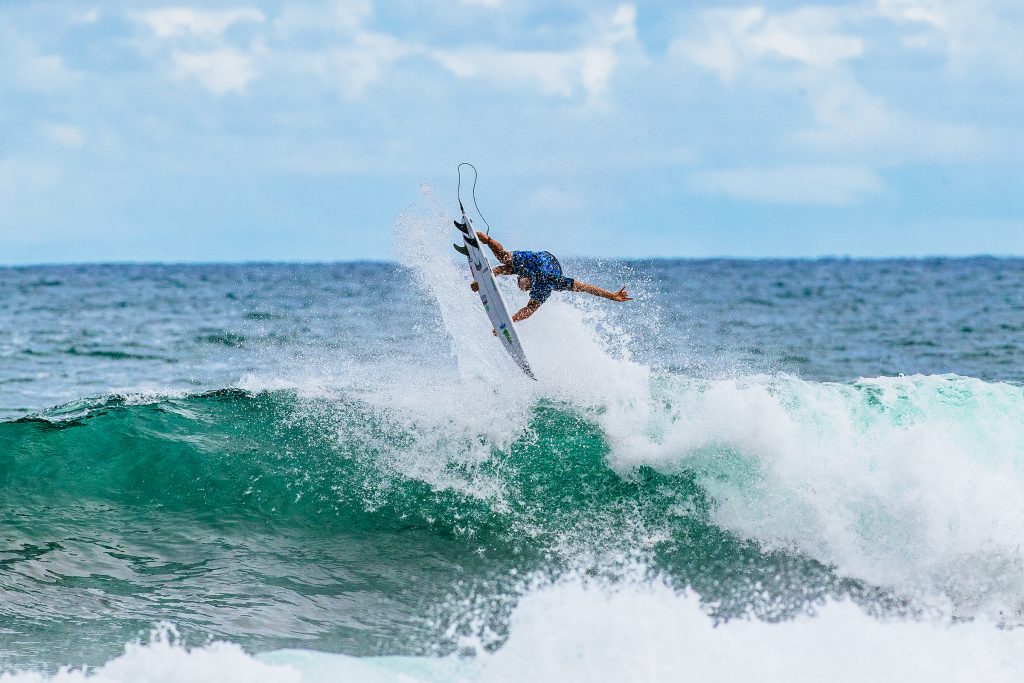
461 250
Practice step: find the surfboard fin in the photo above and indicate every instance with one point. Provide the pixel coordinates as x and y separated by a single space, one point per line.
460 226
461 250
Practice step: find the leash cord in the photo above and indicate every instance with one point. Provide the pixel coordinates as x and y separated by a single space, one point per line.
459 192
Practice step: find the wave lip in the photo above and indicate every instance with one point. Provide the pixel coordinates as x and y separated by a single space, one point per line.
914 483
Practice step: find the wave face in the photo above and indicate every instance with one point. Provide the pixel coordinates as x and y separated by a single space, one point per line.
310 501
339 458
764 495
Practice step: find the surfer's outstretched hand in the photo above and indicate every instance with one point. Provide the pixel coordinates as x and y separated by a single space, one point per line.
621 295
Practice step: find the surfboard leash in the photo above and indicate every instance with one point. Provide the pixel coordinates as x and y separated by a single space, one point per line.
459 193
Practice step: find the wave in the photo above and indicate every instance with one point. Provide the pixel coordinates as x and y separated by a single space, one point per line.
914 485
111 354
224 454
579 630
344 462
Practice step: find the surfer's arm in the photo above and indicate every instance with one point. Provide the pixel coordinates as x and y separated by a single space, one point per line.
621 295
499 251
526 311
499 270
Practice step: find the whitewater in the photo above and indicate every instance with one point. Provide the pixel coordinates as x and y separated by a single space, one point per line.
783 470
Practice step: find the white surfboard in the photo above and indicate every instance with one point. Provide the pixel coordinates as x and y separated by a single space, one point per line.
490 297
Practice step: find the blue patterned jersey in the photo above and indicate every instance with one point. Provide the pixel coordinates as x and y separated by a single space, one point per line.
544 271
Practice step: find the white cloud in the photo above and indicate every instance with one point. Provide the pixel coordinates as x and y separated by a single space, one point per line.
812 50
46 73
731 40
555 73
808 36
341 16
846 113
980 36
172 22
923 11
220 71
800 184
853 123
23 64
90 16
362 62
720 49
355 58
565 73
64 135
196 46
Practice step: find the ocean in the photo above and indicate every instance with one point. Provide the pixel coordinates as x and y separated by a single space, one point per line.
795 470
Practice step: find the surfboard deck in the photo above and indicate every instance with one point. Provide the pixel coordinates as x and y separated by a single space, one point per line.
490 297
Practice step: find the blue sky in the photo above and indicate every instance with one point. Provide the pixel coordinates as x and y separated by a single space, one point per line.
300 131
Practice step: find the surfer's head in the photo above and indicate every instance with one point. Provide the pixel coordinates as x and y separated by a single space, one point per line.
525 283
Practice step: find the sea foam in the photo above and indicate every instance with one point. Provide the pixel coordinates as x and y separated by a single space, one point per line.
577 630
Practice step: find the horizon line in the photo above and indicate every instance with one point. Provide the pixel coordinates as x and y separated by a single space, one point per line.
373 261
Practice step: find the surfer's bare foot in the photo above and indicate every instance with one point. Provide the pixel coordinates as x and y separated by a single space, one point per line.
475 287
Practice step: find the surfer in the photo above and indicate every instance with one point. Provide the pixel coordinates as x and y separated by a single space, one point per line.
539 273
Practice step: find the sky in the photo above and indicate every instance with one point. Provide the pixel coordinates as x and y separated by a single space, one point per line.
251 131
